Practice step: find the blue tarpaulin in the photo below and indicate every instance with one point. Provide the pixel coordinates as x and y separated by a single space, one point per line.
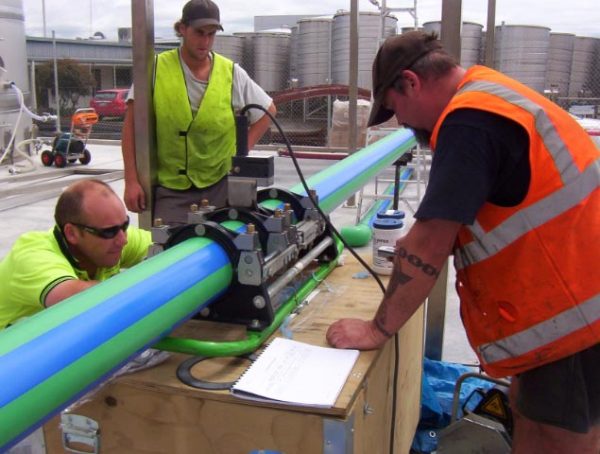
439 379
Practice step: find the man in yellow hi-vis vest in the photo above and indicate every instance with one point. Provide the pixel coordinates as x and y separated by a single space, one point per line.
196 95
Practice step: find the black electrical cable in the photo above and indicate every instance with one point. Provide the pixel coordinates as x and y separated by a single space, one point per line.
347 246
309 194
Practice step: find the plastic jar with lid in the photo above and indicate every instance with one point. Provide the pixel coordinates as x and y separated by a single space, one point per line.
394 214
386 231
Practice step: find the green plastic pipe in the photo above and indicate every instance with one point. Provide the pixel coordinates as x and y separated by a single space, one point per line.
254 339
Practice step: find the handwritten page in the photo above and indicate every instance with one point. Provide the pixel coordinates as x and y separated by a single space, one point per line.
298 373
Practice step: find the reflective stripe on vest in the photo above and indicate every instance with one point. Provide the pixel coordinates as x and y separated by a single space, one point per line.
543 333
545 128
577 185
490 243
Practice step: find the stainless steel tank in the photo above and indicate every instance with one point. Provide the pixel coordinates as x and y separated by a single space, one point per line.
248 54
230 46
584 67
560 59
521 51
314 51
369 38
271 51
13 56
470 41
409 29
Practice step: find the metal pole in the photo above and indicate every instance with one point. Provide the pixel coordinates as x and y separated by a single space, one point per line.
353 83
396 185
490 35
329 79
436 302
34 104
142 14
56 97
91 19
353 74
436 316
415 14
44 16
451 26
383 13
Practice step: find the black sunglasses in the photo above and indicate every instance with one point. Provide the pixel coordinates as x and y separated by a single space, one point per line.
107 233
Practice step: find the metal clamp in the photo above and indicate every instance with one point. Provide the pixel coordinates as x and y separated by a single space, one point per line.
81 430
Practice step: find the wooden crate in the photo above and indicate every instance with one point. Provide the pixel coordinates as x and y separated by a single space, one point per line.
153 412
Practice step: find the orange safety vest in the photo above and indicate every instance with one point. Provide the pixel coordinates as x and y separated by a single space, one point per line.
527 275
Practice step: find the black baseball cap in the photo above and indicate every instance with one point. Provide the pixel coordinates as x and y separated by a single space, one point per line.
198 13
397 53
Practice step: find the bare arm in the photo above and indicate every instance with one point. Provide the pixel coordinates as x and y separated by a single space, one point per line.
66 289
134 196
258 128
420 255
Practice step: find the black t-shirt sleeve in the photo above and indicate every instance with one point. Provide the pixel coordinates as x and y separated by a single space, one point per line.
479 157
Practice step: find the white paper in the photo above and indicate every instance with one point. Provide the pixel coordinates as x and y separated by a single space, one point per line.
298 373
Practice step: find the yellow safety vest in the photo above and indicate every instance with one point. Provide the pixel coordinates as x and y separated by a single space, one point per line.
193 150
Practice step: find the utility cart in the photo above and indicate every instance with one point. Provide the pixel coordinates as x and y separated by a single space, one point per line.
68 147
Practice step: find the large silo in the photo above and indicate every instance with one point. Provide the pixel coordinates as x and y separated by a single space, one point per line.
583 69
470 41
13 61
314 51
521 51
560 59
248 54
271 59
230 46
408 28
369 35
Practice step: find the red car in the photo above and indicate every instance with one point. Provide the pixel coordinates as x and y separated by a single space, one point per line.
110 103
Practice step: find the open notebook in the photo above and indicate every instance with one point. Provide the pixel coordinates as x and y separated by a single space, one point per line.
293 372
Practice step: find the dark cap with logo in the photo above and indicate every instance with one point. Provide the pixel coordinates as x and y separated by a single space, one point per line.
398 53
198 13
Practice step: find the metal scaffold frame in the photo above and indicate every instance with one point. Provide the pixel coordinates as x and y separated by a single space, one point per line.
419 166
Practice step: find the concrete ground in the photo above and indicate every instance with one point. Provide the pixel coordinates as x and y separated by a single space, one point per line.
27 202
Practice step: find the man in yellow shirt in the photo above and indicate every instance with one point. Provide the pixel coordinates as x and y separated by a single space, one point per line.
90 242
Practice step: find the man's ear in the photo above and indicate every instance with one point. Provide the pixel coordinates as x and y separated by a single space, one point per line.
406 81
70 234
411 80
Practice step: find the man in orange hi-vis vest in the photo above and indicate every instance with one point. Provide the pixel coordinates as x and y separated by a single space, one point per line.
514 195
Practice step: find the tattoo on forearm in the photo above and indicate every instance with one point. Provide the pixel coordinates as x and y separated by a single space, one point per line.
417 262
397 278
380 318
381 328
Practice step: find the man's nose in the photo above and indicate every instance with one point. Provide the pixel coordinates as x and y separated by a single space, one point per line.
121 237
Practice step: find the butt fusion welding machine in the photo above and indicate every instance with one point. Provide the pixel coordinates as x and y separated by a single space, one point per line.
268 248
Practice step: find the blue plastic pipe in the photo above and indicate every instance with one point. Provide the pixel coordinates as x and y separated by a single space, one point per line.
51 359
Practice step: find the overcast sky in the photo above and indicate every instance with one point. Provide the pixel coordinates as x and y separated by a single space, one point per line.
82 18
